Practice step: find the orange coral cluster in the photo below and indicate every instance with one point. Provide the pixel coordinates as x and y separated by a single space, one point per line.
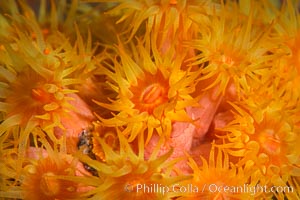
149 99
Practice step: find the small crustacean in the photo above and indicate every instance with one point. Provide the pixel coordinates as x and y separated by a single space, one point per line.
85 144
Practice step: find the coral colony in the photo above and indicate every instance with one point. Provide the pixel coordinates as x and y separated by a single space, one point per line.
149 99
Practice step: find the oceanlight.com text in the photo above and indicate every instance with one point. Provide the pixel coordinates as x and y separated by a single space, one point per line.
211 188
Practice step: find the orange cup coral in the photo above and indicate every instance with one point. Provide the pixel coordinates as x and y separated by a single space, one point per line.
149 99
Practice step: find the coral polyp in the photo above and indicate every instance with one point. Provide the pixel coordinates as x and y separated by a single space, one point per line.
154 94
267 144
149 99
123 172
42 180
43 98
217 173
